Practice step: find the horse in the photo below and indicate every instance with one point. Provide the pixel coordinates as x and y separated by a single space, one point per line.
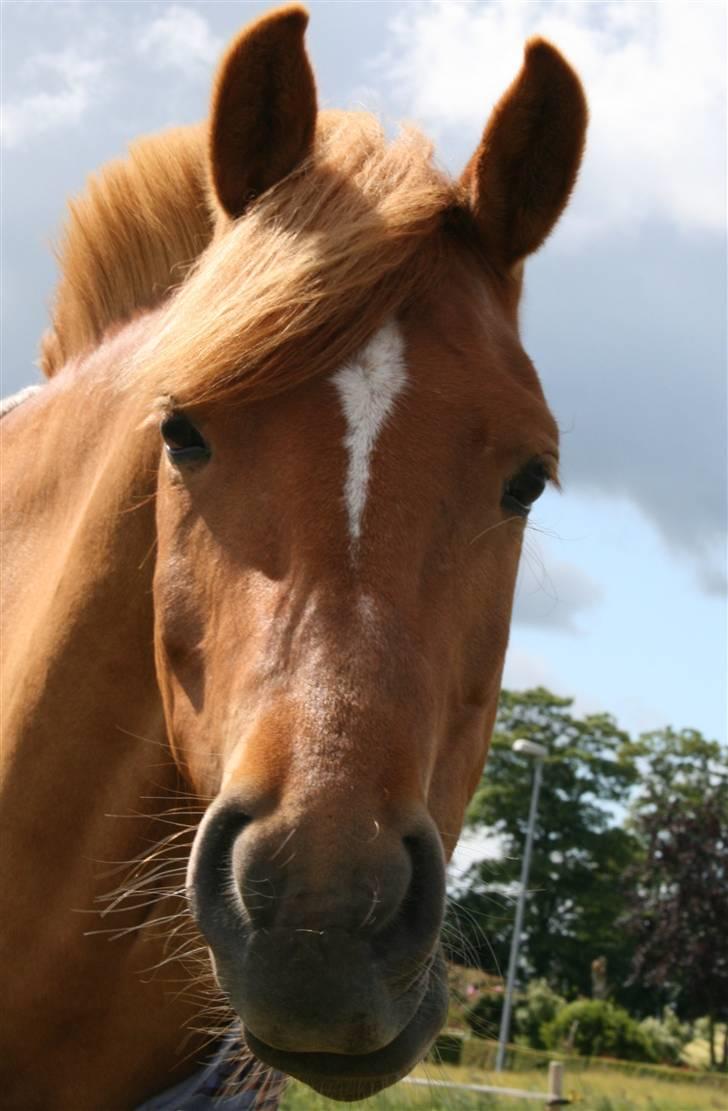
262 524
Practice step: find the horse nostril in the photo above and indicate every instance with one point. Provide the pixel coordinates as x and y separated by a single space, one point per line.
208 872
426 896
259 876
419 918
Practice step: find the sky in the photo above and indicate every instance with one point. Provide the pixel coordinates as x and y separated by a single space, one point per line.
621 602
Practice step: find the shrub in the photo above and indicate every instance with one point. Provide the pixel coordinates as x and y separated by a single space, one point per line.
541 1006
484 1016
666 1038
447 1048
597 1029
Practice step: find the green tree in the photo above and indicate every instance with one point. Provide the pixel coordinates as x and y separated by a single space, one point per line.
581 849
678 917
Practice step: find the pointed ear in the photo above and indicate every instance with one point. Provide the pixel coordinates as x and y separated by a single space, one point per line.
519 179
263 116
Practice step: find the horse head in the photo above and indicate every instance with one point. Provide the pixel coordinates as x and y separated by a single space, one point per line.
351 439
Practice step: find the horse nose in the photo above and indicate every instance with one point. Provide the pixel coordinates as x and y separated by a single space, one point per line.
321 875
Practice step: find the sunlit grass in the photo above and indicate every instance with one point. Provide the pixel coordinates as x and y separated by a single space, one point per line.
590 1091
697 1052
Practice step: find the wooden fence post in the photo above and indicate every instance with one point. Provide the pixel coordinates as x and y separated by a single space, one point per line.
556 1085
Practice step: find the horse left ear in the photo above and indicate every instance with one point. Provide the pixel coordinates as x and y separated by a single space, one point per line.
519 179
263 117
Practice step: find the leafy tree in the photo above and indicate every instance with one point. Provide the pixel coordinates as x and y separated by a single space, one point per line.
679 904
580 851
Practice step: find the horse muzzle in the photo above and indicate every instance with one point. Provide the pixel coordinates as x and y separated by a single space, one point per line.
325 941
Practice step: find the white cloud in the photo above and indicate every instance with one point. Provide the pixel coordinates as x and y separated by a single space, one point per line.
655 79
181 39
636 713
552 594
524 671
31 115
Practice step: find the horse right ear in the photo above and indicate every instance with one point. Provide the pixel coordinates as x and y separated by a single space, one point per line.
520 177
263 117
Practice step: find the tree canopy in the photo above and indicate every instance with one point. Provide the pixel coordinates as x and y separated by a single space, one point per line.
581 846
630 860
678 888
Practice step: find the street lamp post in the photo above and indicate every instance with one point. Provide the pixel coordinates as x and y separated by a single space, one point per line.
538 752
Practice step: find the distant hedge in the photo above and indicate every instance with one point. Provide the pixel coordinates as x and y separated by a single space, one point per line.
596 1028
478 1053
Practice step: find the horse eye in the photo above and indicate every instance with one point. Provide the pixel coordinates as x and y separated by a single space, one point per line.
521 491
184 442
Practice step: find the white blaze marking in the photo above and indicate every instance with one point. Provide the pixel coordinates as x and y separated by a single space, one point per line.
368 386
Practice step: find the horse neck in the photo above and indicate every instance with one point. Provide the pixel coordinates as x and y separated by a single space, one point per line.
82 708
85 751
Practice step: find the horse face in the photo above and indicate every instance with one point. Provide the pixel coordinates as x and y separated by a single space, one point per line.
333 594
334 581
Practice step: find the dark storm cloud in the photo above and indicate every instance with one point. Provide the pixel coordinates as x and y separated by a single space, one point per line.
629 337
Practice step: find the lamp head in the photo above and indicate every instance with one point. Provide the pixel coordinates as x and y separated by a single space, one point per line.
530 748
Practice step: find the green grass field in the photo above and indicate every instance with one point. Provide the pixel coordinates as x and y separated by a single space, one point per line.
594 1090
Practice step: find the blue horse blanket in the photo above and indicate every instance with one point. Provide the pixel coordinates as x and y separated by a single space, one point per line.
205 1090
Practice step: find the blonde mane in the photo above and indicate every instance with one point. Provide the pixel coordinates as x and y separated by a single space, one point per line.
285 292
130 238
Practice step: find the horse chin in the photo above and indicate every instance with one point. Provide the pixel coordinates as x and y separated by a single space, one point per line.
350 1077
